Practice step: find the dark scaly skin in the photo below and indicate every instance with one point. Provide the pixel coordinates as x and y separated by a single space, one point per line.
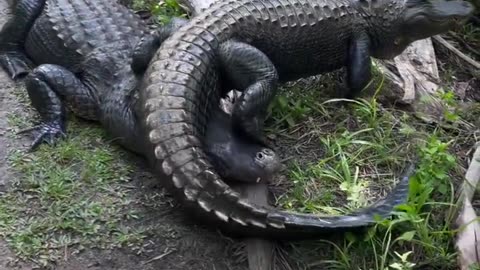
266 40
91 55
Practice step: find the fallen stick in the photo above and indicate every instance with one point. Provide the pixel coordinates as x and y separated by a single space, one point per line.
456 51
467 242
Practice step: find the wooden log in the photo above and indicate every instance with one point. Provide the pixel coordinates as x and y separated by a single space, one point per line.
413 80
259 251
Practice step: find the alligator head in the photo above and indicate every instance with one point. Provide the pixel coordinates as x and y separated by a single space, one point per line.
236 157
417 19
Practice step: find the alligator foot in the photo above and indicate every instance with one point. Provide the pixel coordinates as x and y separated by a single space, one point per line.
13 34
50 88
15 65
47 132
227 103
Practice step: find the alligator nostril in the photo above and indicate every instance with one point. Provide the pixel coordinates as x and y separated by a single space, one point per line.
269 152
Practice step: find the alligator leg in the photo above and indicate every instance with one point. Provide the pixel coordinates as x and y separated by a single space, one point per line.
13 35
149 44
359 65
119 118
249 70
48 87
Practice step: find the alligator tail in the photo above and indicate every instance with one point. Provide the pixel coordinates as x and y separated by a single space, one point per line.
179 91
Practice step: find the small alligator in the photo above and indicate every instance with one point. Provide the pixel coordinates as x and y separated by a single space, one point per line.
251 45
84 51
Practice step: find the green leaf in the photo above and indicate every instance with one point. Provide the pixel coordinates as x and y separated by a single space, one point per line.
407 236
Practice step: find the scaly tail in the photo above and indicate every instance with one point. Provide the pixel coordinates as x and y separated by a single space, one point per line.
179 91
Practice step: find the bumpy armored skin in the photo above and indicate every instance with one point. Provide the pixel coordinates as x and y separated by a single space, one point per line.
253 44
90 56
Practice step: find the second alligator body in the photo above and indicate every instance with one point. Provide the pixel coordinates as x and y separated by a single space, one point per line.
251 45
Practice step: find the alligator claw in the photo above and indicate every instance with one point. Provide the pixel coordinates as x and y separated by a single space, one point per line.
49 133
15 66
227 103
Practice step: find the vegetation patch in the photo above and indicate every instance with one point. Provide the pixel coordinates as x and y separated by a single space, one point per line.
67 197
347 154
161 11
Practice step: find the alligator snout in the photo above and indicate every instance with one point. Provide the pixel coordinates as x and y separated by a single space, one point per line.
455 10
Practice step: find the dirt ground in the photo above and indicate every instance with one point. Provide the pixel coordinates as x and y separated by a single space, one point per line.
182 244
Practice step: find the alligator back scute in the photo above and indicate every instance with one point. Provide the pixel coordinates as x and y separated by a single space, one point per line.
67 31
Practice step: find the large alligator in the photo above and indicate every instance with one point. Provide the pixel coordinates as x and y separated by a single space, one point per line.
252 45
84 51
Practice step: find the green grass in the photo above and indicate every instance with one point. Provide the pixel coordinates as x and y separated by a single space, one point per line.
162 11
363 148
71 196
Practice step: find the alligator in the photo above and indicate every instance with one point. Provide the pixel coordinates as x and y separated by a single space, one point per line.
252 45
89 53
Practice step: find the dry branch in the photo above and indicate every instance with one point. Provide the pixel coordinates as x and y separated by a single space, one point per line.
457 52
468 237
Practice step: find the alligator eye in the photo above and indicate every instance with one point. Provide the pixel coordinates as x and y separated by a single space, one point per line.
260 155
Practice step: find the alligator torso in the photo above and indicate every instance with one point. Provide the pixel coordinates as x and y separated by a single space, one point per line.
250 45
85 50
82 50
